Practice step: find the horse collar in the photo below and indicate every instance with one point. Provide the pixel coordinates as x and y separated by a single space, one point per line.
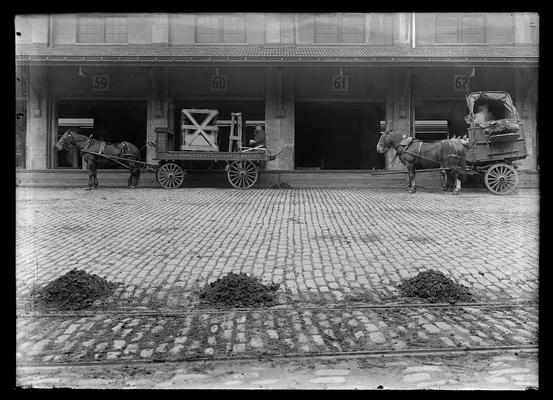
404 144
87 143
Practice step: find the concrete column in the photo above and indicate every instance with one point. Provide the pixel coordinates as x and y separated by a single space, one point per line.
279 116
287 26
39 30
526 97
272 28
160 28
523 35
37 119
402 29
398 109
158 106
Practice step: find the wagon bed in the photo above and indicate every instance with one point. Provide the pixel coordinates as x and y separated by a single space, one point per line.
212 155
199 143
491 154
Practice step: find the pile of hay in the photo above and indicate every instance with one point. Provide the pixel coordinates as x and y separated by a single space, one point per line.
239 290
75 290
435 287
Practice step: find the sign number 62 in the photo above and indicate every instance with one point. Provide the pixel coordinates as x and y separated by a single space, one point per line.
460 83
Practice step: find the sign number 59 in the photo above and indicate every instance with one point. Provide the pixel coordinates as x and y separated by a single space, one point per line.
460 83
100 83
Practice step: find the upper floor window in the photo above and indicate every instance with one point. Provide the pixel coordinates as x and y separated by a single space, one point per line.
221 29
460 28
339 28
102 29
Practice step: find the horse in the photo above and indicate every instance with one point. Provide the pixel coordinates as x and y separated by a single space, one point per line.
415 153
90 148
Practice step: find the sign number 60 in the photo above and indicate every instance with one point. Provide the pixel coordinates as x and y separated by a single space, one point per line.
219 82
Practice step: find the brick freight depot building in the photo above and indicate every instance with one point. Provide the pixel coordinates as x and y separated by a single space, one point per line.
324 84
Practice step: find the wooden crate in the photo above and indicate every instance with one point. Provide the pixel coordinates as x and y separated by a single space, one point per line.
199 130
482 149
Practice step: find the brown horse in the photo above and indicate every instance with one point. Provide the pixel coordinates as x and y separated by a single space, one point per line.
90 149
416 154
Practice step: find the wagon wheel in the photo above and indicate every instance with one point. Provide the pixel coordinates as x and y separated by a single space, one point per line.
242 174
501 179
170 175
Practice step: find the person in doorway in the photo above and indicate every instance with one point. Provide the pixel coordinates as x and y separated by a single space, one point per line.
483 113
259 138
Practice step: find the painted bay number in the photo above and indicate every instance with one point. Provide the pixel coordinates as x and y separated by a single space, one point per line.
100 83
219 82
460 83
340 83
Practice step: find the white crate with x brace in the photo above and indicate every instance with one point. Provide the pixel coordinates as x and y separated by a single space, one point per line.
199 136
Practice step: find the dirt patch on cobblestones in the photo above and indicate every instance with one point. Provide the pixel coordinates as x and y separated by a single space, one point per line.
75 290
435 287
281 185
239 290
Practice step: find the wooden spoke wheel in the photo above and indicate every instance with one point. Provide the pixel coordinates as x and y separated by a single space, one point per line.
501 179
242 174
170 175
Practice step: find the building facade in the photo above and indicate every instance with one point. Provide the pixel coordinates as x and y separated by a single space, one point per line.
325 85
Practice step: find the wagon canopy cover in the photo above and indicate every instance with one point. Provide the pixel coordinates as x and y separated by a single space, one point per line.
500 104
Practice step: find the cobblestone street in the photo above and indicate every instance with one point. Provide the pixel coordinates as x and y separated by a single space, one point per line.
338 256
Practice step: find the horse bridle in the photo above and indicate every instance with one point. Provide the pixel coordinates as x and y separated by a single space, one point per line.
65 141
387 142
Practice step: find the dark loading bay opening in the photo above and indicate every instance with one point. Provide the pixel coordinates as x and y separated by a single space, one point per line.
338 135
113 121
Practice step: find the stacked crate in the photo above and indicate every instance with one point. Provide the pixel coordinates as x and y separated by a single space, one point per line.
199 130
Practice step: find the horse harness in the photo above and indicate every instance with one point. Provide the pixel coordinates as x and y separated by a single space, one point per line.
404 145
124 148
449 154
406 142
444 163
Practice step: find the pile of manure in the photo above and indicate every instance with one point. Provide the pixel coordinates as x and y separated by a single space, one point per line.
282 185
75 290
435 287
239 290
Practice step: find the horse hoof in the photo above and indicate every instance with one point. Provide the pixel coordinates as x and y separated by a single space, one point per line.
454 192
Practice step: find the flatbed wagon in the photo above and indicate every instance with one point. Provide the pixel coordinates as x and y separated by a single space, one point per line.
199 144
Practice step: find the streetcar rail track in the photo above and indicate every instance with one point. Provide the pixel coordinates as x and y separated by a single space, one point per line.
294 356
178 312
